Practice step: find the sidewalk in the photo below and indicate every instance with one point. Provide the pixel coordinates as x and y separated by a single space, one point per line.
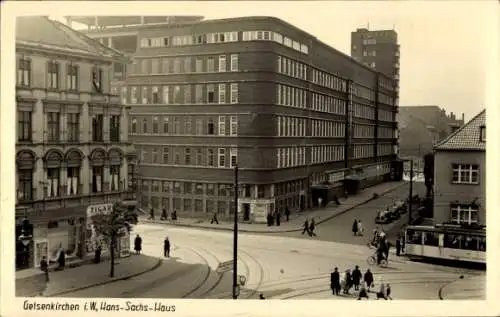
469 288
91 275
296 219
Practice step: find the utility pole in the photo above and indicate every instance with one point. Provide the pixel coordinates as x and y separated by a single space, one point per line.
410 194
235 236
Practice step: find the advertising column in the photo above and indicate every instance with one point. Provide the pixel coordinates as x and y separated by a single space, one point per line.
92 238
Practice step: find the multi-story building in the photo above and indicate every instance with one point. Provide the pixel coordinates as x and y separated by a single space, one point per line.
73 155
378 49
259 93
460 175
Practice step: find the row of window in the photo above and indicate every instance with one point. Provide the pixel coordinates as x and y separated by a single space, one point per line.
69 130
363 111
363 92
291 126
292 96
328 104
182 94
290 156
385 115
385 149
324 128
275 37
221 37
330 81
292 68
383 98
55 75
464 214
188 125
66 182
182 65
364 131
465 174
472 242
385 132
327 153
363 150
191 156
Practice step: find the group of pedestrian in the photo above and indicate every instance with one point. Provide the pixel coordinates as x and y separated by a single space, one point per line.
357 228
309 227
274 218
361 283
138 246
164 214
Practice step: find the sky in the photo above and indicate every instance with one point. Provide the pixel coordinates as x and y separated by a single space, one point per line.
443 44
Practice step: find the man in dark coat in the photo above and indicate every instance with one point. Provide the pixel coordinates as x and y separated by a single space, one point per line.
306 227
312 226
152 214
335 282
355 227
174 215
164 214
214 219
166 248
398 246
97 255
44 266
278 218
356 277
368 279
287 214
62 260
138 244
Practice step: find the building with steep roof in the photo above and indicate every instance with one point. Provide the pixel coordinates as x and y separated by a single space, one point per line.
460 175
73 155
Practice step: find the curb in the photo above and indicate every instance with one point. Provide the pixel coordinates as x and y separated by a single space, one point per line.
154 267
284 230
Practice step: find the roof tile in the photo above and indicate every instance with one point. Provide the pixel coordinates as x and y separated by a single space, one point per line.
468 137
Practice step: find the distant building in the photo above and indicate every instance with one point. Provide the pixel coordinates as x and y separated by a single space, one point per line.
378 49
460 175
72 147
259 93
421 127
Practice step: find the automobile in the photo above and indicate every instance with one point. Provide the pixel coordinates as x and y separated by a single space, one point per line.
401 206
383 217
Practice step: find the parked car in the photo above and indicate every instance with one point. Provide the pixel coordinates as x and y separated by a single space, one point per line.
383 217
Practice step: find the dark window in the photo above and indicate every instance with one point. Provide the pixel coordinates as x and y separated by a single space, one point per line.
210 189
413 237
165 155
114 129
53 126
431 239
155 124
24 72
72 77
97 179
25 190
211 127
97 128
177 187
24 126
97 79
453 241
114 172
188 188
187 156
134 125
145 126
73 127
53 80
210 93
165 41
482 134
54 177
165 125
156 95
198 189
222 190
73 180
471 243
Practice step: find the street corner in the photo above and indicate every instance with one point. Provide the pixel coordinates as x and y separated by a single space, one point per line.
467 288
92 274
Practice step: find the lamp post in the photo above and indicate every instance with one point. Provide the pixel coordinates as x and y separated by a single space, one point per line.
235 236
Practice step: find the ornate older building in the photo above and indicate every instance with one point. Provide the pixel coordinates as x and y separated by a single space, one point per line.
72 150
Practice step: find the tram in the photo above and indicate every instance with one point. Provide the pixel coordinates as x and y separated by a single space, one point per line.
447 242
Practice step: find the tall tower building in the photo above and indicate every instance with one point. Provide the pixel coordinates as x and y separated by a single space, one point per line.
377 49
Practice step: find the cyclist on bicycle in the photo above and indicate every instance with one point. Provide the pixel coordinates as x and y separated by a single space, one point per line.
382 248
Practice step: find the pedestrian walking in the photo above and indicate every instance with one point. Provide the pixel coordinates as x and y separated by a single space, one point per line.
61 260
287 214
335 281
363 293
388 291
269 219
97 254
361 228
356 277
368 278
306 227
152 214
164 215
347 281
336 200
398 246
166 248
381 292
278 218
44 266
312 226
174 215
214 219
138 244
403 241
355 227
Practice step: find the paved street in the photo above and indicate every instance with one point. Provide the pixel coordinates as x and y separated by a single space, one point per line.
339 229
280 267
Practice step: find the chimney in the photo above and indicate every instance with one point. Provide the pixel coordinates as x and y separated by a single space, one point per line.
463 118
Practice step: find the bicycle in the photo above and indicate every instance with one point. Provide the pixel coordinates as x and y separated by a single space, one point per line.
372 260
